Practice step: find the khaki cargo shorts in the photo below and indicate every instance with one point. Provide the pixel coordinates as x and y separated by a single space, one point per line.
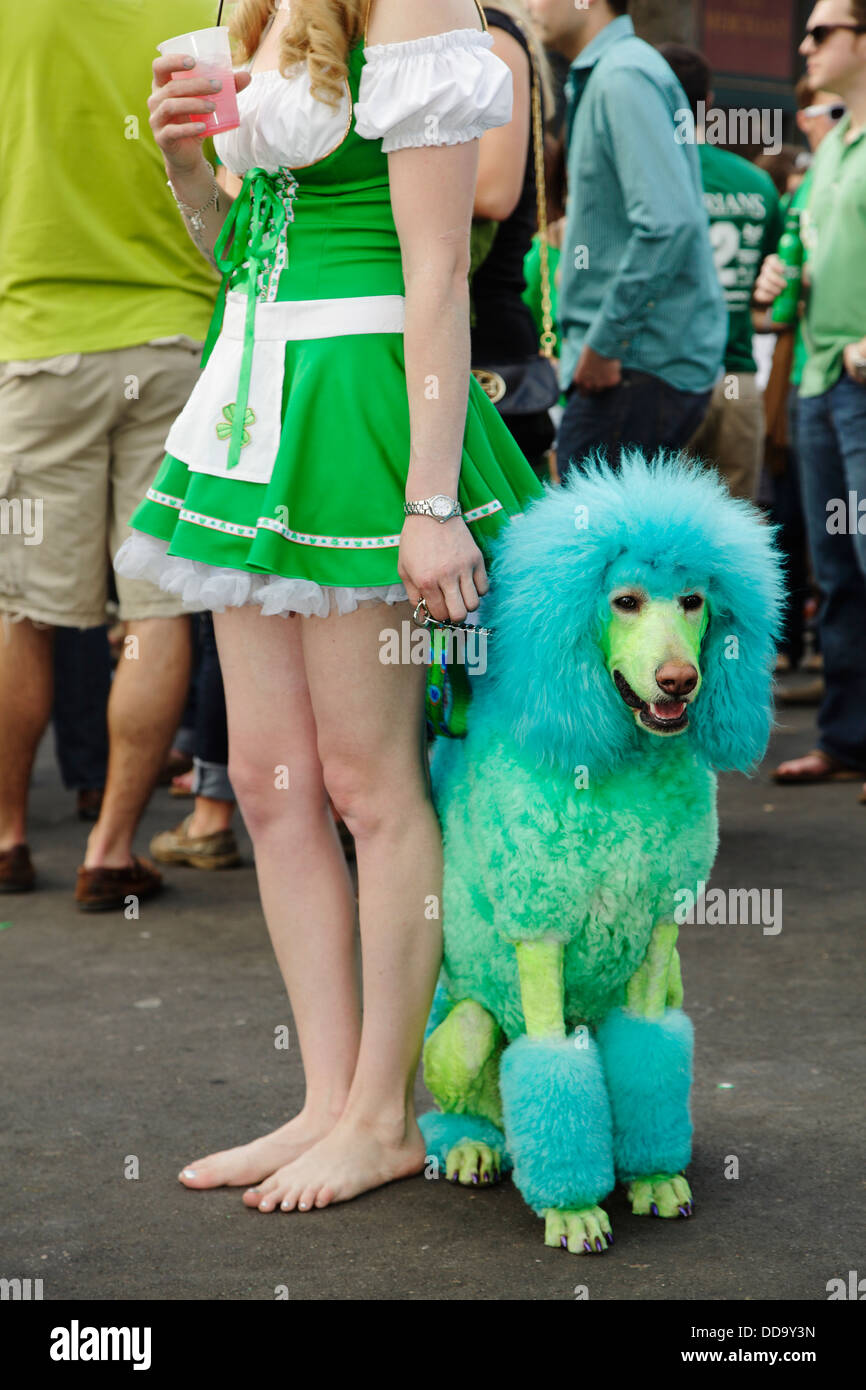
81 439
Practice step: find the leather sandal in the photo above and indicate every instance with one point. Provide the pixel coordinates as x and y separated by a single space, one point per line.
101 890
17 874
175 765
832 770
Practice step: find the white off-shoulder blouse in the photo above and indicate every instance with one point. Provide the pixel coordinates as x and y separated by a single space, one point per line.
439 90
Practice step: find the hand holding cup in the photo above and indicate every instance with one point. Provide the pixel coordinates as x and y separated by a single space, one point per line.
185 109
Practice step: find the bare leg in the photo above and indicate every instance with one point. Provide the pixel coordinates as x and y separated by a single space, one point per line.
304 881
210 816
26 696
145 705
371 741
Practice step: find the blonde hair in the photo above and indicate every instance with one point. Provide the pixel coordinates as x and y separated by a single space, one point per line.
319 33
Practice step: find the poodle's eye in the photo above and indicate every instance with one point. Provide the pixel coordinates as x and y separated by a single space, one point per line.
626 603
692 602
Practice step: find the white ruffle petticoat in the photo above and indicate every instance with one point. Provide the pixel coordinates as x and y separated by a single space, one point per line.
213 589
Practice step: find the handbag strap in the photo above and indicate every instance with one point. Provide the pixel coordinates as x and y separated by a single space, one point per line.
548 336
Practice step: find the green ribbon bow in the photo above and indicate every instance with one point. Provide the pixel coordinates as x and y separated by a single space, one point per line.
251 232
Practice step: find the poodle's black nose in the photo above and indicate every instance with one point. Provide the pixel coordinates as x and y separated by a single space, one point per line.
676 679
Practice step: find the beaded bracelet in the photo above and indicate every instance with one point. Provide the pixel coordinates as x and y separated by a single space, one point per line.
195 214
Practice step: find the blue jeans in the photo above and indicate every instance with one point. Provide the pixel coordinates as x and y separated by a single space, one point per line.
786 511
642 410
82 684
211 746
831 445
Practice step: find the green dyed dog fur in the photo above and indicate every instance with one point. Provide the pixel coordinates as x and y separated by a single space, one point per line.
580 803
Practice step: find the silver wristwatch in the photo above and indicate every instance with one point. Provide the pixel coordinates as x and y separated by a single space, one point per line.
441 506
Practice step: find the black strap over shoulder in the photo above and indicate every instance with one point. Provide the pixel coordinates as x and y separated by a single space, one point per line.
500 20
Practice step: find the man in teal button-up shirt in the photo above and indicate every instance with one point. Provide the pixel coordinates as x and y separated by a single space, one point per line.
642 316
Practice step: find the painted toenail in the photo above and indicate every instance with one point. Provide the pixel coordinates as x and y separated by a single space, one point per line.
263 1206
302 1205
284 1205
188 1173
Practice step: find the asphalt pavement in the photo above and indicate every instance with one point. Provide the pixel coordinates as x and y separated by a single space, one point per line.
131 1047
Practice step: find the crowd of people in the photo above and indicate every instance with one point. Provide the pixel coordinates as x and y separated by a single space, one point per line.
657 266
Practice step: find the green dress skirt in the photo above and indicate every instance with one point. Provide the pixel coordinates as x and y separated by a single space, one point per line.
285 475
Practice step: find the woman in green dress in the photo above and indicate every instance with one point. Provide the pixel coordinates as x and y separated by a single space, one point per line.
336 388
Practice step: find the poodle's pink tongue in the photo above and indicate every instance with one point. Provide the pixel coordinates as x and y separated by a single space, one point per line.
671 710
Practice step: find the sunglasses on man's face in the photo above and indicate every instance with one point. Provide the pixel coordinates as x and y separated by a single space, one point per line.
821 32
834 109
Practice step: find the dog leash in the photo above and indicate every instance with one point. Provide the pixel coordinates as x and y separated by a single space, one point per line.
429 621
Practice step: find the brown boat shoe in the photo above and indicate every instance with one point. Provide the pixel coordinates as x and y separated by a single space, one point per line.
218 850
17 874
101 890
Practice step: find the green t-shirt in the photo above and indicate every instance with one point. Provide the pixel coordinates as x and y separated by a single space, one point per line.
745 226
834 234
93 251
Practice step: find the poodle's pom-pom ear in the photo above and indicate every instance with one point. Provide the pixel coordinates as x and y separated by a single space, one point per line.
549 684
733 715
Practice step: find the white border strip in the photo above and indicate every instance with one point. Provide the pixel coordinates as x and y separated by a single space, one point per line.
267 523
288 320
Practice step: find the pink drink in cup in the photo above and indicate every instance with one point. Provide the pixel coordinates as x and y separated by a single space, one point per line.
212 52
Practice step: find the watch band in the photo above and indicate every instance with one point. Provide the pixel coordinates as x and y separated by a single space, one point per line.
440 506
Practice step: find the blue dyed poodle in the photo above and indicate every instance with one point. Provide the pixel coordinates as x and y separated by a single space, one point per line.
635 617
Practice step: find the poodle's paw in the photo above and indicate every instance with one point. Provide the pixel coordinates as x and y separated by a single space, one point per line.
585 1232
662 1194
472 1163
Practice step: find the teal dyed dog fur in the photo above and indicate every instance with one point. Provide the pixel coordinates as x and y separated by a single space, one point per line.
649 1069
582 800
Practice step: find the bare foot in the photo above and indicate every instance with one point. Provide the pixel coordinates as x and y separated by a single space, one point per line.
350 1160
815 767
253 1162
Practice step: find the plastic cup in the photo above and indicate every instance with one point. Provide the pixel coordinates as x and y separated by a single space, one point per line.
213 55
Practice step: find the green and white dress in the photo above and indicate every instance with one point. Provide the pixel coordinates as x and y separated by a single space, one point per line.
285 474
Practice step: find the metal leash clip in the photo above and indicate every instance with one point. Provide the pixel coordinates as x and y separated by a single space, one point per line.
428 619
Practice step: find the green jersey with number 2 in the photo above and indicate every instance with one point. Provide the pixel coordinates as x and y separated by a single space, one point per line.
745 226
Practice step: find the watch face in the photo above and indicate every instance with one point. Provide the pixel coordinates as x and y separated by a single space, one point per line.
441 505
